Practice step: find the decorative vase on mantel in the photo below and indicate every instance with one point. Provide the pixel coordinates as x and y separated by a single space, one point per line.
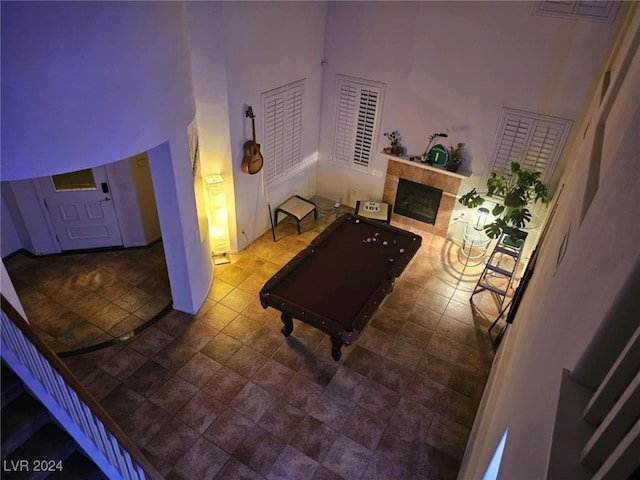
453 167
394 147
455 158
397 150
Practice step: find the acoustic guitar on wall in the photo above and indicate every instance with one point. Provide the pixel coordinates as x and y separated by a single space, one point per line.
252 161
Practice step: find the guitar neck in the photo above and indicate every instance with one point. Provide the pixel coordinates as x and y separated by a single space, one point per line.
249 113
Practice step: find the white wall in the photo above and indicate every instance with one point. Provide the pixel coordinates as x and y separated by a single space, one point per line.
268 45
205 21
9 291
134 200
451 67
28 216
565 305
9 234
190 253
89 83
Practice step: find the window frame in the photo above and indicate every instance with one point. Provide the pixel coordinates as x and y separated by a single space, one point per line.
593 11
76 181
356 121
513 144
282 130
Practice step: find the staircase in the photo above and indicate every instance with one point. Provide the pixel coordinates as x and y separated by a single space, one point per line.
33 445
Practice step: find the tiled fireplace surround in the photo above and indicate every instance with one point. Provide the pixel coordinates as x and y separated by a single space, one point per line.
435 177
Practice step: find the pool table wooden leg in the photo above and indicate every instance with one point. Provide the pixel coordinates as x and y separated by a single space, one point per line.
288 324
336 346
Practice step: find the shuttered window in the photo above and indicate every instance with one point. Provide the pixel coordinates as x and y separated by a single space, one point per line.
357 111
532 140
591 10
282 127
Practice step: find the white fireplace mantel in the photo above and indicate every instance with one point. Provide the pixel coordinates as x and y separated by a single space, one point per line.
426 166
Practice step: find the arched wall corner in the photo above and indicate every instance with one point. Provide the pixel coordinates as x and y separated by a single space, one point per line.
187 252
9 291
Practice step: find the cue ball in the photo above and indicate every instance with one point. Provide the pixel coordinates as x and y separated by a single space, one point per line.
402 250
385 242
357 221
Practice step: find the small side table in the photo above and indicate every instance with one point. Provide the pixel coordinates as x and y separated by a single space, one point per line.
325 206
474 242
374 210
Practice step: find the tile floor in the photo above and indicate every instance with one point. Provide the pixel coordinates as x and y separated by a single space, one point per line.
223 395
80 299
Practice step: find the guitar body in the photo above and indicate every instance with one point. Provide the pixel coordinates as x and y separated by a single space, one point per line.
252 161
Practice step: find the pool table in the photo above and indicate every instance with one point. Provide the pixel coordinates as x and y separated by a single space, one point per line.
341 278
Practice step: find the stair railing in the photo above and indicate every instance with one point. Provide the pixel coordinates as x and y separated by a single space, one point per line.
69 402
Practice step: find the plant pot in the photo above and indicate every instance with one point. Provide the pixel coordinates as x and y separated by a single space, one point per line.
397 150
453 167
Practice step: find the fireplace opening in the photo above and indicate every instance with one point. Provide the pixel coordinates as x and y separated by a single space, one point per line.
417 201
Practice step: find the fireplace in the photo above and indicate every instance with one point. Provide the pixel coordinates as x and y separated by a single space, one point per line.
421 173
417 201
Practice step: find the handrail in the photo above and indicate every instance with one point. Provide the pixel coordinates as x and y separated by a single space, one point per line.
73 398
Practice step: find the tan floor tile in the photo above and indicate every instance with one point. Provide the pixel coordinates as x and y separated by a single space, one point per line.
237 299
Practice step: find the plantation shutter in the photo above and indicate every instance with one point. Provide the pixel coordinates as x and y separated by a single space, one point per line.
345 131
534 141
595 11
511 144
357 112
544 138
282 126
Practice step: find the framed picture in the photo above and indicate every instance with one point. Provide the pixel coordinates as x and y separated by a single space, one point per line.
194 147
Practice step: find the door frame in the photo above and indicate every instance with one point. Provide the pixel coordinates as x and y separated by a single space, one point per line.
46 213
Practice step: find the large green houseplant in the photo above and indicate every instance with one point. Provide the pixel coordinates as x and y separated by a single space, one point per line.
513 194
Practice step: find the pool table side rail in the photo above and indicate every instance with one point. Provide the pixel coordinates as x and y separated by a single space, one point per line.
326 325
287 307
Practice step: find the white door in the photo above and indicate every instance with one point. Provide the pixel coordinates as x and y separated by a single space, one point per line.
81 209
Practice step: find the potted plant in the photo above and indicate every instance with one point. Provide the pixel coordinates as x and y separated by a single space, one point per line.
455 157
514 194
394 148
